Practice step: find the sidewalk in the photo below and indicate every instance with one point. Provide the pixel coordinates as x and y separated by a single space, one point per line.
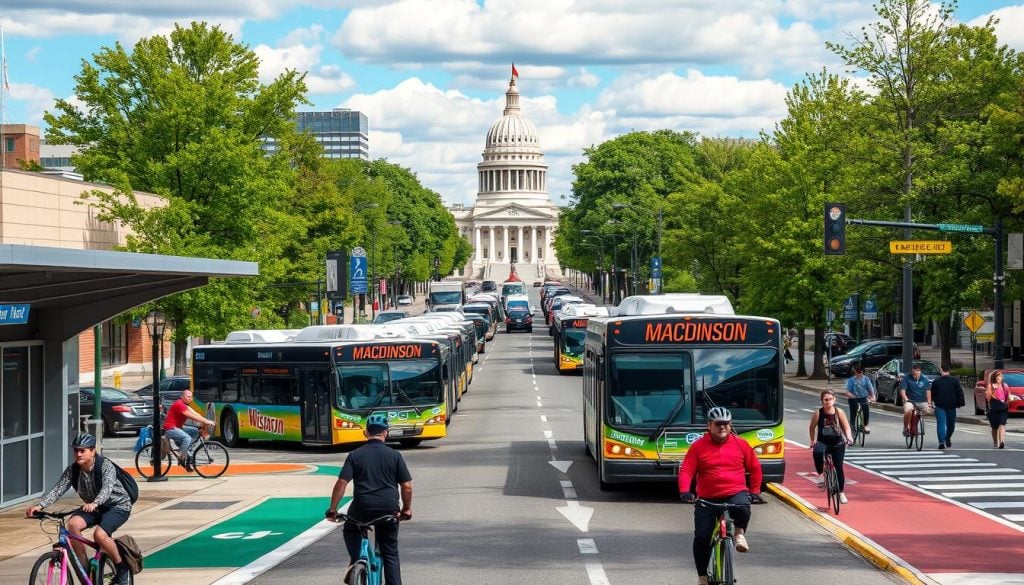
193 514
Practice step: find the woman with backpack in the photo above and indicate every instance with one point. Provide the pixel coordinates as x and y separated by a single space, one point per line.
108 503
830 432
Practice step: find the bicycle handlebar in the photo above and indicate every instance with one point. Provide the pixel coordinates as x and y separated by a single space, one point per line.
44 515
721 505
340 517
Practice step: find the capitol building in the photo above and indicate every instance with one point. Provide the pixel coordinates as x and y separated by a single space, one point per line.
513 220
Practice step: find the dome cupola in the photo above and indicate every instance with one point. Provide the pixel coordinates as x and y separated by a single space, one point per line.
512 129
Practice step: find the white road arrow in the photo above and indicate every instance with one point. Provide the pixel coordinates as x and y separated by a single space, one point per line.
577 514
562 466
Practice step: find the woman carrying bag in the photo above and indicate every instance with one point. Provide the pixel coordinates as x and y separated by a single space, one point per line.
830 431
997 394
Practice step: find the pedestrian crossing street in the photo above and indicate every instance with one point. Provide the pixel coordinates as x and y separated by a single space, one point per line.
989 487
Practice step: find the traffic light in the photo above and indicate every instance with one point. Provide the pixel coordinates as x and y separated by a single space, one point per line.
835 229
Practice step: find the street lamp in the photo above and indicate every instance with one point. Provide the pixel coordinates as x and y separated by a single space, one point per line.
394 284
615 263
373 261
594 234
156 322
621 206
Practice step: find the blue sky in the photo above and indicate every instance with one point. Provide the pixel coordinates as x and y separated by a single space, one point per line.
431 74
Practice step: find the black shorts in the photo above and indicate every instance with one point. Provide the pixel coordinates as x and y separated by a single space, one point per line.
109 519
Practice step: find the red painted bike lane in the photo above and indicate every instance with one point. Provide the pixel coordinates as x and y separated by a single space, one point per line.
932 535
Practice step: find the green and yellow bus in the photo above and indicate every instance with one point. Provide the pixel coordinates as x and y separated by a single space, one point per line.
321 393
655 367
569 330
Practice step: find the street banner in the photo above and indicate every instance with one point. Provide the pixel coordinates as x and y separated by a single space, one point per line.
870 312
656 267
358 272
850 308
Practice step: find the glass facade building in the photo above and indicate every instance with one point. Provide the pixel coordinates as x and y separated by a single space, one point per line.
343 133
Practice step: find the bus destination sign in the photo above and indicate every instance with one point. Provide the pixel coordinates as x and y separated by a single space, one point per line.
402 351
696 331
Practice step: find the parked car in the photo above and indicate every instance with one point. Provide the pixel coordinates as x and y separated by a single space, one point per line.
537 283
121 411
889 376
170 389
1014 378
404 300
489 286
870 354
390 315
840 343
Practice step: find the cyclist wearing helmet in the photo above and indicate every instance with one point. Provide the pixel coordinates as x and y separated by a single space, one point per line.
719 462
107 504
378 472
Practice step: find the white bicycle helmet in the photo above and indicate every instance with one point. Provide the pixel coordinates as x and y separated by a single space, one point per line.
719 414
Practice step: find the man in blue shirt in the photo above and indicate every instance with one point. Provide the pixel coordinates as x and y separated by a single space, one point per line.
859 389
916 392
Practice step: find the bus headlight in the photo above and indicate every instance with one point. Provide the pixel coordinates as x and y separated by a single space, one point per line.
346 425
437 420
621 450
774 448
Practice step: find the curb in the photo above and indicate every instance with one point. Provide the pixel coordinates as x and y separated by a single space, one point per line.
849 537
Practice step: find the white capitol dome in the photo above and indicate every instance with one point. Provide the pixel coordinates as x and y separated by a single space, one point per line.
512 130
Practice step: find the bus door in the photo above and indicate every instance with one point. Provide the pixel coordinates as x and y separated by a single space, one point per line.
315 393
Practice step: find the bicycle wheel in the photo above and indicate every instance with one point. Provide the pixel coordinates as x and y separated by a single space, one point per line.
919 437
358 575
46 570
144 462
727 575
861 435
108 572
910 438
211 459
833 488
715 562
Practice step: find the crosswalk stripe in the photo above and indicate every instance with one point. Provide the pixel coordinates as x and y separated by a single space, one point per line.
994 505
956 464
978 494
975 478
961 486
1014 517
941 471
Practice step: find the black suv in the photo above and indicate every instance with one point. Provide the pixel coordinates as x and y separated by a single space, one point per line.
870 354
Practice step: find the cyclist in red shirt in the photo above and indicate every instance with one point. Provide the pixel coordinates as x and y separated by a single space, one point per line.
720 462
176 430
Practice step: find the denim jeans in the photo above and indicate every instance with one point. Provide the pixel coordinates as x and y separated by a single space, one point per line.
945 423
183 437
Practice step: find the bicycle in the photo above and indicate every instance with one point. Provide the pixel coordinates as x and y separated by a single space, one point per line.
207 457
369 567
916 436
723 547
57 566
859 435
831 483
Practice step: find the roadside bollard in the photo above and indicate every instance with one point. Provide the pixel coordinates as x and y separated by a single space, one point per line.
117 380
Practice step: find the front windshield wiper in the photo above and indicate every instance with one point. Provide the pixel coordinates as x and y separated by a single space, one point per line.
406 397
671 415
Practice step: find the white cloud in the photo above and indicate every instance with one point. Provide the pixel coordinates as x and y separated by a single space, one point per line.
34 99
32 54
292 52
583 78
1010 28
543 32
128 28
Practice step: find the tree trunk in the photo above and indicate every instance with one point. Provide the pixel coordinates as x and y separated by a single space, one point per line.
801 344
944 331
180 357
818 373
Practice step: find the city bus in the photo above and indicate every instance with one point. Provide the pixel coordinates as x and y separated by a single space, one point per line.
657 364
569 329
321 392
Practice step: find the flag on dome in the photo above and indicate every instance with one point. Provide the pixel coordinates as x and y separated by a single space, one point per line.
515 73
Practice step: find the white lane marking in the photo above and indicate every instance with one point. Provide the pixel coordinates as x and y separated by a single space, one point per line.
993 505
791 410
596 573
980 494
964 486
941 471
552 444
569 493
922 460
539 404
548 434
577 514
565 483
972 478
976 578
895 466
281 553
538 398
562 466
543 418
587 546
1014 517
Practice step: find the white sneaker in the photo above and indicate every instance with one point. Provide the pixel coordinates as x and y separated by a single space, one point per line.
842 499
741 543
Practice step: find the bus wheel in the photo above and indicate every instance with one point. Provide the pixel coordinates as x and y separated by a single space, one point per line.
409 443
229 430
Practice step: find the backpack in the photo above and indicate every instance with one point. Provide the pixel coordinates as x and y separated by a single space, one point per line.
127 481
130 553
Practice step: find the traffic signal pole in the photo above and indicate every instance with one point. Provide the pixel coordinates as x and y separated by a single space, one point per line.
998 279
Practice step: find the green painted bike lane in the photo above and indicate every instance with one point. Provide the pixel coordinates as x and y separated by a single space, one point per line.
245 537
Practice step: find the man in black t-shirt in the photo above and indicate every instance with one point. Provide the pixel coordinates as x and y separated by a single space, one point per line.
378 472
948 395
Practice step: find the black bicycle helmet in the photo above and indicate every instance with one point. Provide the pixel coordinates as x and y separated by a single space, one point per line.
84 441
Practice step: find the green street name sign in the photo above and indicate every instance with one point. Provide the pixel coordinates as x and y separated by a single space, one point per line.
961 227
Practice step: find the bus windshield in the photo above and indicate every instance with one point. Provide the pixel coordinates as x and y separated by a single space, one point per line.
383 384
572 342
453 297
645 388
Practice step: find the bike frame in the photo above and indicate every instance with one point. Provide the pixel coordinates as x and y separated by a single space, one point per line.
69 560
719 538
369 553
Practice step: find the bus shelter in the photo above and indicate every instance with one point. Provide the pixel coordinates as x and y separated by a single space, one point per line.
47 297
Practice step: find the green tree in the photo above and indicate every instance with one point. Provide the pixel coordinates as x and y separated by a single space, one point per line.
183 116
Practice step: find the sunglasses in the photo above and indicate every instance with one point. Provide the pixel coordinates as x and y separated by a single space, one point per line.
721 424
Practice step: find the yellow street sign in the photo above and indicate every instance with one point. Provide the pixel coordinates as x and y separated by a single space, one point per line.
985 337
920 247
974 321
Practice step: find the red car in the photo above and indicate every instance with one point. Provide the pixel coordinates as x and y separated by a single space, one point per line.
1014 379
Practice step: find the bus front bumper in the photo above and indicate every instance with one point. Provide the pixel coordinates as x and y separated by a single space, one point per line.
647 471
